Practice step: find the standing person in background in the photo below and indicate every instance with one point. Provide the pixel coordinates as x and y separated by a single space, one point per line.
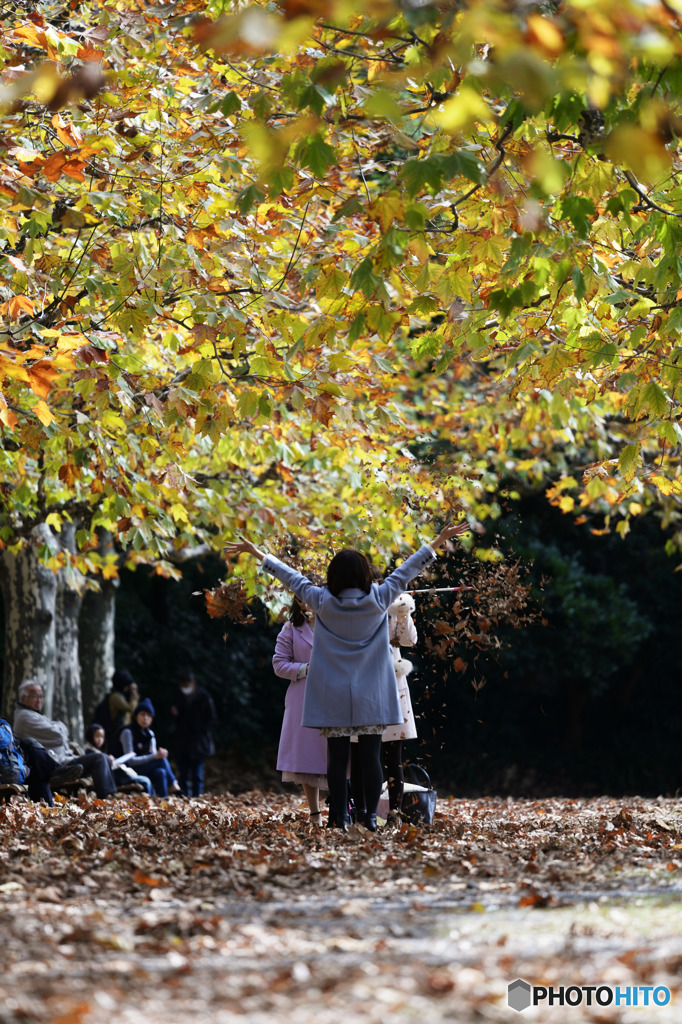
351 685
194 713
302 754
402 633
139 740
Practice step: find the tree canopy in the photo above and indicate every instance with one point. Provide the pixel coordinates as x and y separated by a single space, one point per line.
270 265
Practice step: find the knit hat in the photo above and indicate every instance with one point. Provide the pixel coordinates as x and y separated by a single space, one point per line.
144 705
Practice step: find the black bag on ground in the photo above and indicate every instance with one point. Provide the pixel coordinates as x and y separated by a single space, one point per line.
419 797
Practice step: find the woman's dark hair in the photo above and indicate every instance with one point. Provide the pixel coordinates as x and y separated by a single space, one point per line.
375 573
121 679
348 569
297 615
90 733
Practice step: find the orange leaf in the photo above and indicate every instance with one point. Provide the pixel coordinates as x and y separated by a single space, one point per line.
69 134
196 238
74 169
19 304
53 167
89 52
29 160
40 377
140 878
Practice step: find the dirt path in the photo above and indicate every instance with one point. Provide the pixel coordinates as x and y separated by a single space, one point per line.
234 909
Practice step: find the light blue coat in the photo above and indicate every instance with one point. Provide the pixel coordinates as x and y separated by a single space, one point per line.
351 680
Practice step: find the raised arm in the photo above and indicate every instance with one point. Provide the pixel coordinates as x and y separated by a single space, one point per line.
412 566
243 546
448 532
295 581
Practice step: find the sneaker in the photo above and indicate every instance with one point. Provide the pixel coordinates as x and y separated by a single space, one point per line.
65 774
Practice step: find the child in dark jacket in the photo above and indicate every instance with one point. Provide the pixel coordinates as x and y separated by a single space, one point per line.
147 759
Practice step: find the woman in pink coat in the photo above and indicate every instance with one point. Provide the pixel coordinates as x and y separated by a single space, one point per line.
302 755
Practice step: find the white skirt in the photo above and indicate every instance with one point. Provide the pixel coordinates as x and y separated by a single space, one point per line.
352 730
318 781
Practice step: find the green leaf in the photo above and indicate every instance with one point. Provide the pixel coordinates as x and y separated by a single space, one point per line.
249 196
579 286
630 458
315 154
426 346
364 279
654 398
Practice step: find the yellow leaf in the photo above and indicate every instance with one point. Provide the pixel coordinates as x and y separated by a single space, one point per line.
544 34
664 485
8 368
43 413
462 111
179 513
7 415
375 69
641 151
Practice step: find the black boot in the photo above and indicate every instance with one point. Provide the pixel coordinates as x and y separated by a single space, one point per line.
370 822
341 821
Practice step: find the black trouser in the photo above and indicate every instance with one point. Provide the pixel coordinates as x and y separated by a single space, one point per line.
42 766
97 766
369 761
357 788
392 755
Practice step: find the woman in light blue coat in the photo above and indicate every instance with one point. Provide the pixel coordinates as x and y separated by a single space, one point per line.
351 686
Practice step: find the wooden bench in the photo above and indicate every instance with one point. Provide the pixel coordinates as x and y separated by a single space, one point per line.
12 789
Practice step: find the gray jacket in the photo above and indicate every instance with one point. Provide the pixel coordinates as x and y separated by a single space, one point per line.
53 735
351 681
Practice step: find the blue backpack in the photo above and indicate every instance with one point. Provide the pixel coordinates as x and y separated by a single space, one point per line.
13 770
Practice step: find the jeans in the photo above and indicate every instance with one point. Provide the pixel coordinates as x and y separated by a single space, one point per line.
160 773
122 778
191 774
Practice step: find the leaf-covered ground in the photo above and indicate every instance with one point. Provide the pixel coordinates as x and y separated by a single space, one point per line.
234 908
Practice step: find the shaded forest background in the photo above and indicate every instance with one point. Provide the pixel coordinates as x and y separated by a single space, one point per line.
589 702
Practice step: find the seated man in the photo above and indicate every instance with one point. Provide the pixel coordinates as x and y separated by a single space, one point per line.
30 723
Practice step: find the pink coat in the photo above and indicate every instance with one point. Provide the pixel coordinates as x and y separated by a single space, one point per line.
300 749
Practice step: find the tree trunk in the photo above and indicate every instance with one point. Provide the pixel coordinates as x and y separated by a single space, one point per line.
96 637
29 593
67 703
